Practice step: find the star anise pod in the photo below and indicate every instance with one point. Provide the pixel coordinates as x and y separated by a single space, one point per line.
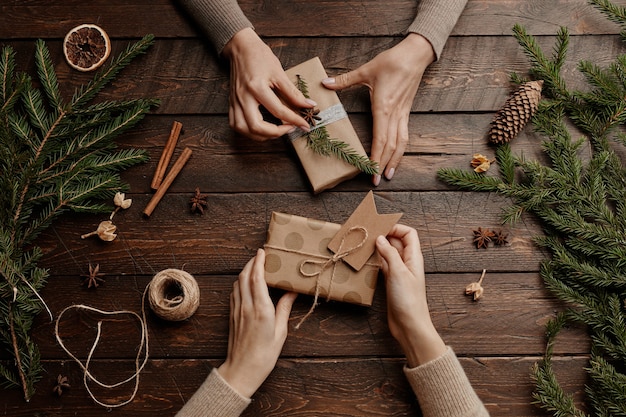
198 202
62 383
499 238
482 237
310 115
93 279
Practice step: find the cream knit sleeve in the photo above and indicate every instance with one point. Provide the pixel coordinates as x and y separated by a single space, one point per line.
214 398
219 19
435 20
443 390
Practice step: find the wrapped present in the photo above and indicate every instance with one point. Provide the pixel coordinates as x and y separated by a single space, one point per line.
324 172
323 259
297 259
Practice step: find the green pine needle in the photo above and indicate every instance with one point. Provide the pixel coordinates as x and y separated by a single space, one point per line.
581 202
320 142
54 157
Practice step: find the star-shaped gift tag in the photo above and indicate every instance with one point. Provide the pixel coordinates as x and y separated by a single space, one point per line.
365 217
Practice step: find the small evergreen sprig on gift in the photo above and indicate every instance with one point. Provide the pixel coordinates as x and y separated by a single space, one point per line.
55 156
582 205
320 142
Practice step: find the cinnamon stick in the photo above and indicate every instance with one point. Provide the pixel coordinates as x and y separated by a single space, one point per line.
166 155
169 179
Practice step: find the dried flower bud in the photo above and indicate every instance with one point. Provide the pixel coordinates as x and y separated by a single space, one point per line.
481 163
120 203
475 288
106 231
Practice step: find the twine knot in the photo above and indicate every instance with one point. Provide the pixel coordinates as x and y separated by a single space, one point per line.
325 263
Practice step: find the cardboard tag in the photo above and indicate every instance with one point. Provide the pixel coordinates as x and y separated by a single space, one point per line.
367 217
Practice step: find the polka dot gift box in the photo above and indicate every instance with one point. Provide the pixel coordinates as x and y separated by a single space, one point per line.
298 257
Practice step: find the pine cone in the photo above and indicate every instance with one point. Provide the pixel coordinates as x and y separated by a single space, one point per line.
517 111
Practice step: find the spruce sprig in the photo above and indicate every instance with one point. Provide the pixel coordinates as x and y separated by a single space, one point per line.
55 156
581 202
320 142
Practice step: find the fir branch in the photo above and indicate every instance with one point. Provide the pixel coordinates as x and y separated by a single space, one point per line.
47 75
106 75
320 142
543 68
55 158
580 200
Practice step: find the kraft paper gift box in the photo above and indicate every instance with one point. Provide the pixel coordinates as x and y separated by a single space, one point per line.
295 256
324 172
298 257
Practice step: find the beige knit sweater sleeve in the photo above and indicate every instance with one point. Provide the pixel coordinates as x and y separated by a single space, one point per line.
435 20
443 390
221 19
214 398
441 387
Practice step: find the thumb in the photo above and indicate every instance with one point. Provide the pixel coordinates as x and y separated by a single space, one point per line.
388 252
345 80
283 307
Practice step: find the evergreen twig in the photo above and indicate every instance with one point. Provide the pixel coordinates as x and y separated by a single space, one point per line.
54 157
581 202
320 142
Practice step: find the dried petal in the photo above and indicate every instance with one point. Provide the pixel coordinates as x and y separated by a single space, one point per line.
480 163
475 288
106 231
119 201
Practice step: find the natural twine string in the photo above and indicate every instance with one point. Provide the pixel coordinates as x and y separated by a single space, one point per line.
182 305
185 291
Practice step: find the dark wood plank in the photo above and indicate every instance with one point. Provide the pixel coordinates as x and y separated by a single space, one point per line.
508 320
236 224
303 387
465 79
333 18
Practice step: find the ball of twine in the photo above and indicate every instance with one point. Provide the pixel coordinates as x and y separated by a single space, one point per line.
173 295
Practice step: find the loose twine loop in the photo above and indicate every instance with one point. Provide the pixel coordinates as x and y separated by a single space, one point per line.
183 304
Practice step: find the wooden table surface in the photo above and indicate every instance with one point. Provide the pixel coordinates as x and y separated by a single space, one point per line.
343 361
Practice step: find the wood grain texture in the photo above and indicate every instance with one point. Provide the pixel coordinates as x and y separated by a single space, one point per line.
509 320
276 18
236 224
302 387
465 79
343 362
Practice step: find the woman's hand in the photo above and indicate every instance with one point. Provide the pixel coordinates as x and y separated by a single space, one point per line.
393 78
407 306
257 330
257 79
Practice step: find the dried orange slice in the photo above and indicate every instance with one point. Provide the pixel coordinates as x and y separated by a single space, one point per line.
86 47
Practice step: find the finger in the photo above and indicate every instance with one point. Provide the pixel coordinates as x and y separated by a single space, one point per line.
379 143
231 322
245 294
291 94
283 308
402 139
249 121
390 145
260 292
389 253
345 80
268 98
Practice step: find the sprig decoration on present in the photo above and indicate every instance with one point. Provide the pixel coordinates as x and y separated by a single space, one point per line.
320 142
55 156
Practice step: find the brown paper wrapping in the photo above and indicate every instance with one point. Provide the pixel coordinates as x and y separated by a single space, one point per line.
324 172
293 241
